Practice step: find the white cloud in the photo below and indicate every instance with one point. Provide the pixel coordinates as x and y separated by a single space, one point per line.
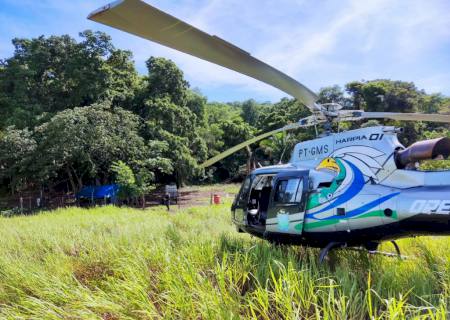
323 43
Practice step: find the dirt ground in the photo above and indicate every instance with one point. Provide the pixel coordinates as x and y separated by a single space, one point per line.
187 197
203 195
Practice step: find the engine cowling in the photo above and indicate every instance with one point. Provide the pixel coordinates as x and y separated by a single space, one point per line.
423 150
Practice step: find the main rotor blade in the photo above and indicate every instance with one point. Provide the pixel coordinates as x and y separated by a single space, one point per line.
143 20
435 117
306 122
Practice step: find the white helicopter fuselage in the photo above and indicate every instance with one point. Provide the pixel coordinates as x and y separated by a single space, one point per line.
352 191
346 186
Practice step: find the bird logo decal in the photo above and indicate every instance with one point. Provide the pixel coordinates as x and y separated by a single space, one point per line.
354 166
366 159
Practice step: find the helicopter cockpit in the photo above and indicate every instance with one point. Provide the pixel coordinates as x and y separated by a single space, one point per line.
259 199
264 194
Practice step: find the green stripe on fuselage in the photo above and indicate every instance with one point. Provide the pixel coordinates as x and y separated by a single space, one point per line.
317 224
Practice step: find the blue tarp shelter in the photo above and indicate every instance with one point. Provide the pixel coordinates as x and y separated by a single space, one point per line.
99 192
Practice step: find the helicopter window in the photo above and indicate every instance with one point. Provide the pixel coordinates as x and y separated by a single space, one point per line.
245 188
260 192
262 182
288 191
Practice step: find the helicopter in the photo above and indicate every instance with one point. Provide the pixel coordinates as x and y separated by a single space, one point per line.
349 189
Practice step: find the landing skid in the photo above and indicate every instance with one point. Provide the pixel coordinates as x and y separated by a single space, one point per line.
337 245
332 245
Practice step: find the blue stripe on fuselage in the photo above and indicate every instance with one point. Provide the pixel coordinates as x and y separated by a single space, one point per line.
370 205
356 186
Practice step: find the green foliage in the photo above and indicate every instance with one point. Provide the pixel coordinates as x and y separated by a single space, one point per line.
276 116
79 144
435 165
234 131
334 94
123 81
434 103
281 113
431 165
370 123
175 124
16 150
119 263
165 79
163 114
174 114
279 146
385 95
251 111
218 112
84 142
63 117
47 75
216 115
196 103
131 186
125 179
396 96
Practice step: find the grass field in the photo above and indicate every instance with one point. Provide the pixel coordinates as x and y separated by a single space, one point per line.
118 263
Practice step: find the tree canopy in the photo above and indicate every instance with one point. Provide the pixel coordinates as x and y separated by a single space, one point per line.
74 113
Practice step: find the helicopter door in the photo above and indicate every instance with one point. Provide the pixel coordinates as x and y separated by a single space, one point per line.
287 204
240 202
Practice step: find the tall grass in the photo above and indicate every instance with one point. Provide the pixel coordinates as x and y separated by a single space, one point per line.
118 263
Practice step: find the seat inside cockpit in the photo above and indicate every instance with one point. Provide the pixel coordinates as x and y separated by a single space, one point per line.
259 199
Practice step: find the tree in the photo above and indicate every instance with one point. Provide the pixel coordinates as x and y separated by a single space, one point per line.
251 111
385 95
389 96
174 114
196 103
281 113
235 131
334 94
166 79
123 80
217 112
16 150
131 185
81 144
279 147
176 125
163 114
126 180
48 75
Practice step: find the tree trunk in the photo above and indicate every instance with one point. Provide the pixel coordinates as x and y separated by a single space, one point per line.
250 162
79 180
11 184
72 182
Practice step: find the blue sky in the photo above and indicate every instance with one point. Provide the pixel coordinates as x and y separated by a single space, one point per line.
319 43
